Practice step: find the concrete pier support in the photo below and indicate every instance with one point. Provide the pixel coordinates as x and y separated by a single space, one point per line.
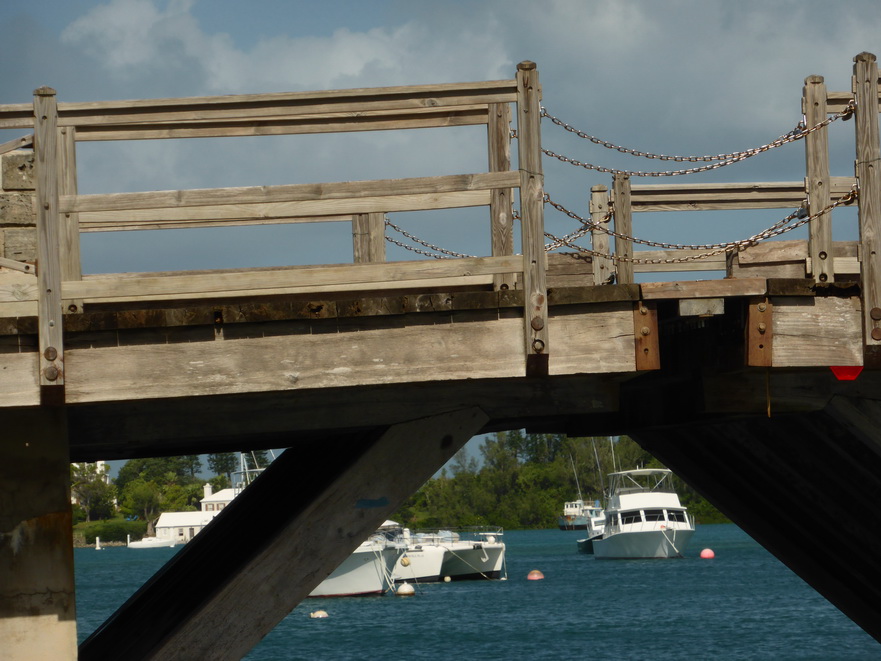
37 613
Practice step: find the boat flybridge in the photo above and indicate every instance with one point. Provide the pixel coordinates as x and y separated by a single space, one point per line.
644 518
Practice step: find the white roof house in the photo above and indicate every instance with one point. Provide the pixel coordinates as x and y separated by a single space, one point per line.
182 526
214 502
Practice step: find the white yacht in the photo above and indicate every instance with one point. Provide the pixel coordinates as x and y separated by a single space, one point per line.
644 518
368 570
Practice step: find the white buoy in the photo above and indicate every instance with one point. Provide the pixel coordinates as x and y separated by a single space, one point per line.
97 543
316 615
405 590
405 561
128 540
446 579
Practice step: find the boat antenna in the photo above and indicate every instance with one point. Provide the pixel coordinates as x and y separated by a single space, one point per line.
575 472
614 463
596 456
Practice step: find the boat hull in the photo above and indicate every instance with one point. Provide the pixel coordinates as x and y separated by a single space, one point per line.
669 543
572 523
473 560
586 545
421 563
152 543
368 570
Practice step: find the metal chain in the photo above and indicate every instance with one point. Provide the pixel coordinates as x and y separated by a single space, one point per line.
780 227
446 254
718 161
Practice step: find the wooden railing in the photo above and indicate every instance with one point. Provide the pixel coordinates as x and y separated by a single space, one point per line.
62 214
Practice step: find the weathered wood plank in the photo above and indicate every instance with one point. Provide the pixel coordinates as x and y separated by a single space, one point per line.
603 267
18 143
19 382
705 288
817 180
258 282
623 215
593 339
368 237
48 242
535 315
816 331
868 156
500 207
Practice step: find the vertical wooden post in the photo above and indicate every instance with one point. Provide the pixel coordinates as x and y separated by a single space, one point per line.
817 180
71 266
368 234
623 225
868 173
535 310
48 245
500 210
37 605
599 241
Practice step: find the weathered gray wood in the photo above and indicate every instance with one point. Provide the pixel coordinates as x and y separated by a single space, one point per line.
255 282
868 172
705 288
18 143
624 226
817 180
368 234
19 381
825 332
500 206
24 267
603 268
332 503
535 310
705 197
71 266
48 242
428 186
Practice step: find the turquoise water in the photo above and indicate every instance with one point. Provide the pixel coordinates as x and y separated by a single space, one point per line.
744 604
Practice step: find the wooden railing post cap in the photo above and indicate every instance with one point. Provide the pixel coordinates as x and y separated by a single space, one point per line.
814 80
45 90
865 57
526 65
598 188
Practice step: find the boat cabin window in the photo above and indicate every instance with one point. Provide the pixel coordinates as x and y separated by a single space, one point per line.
654 515
676 515
631 516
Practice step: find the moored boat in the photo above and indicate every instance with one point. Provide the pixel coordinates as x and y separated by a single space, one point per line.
368 570
644 517
151 543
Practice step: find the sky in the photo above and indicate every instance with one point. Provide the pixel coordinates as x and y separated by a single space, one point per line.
666 76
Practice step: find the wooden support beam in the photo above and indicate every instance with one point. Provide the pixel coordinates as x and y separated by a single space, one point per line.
535 311
368 235
48 245
603 268
501 200
868 173
624 226
37 613
277 541
71 266
817 180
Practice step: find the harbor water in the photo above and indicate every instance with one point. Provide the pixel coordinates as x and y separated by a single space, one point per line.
743 604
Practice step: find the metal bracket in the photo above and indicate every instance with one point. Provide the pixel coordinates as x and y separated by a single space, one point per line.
759 336
645 336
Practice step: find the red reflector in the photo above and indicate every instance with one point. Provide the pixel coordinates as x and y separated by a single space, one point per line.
846 373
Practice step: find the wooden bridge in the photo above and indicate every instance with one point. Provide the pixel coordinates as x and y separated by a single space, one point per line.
374 373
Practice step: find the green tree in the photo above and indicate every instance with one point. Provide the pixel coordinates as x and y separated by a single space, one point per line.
91 489
143 498
223 463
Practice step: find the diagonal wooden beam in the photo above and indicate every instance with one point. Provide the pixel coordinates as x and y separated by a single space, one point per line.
277 540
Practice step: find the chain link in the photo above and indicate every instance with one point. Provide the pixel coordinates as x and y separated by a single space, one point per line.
800 216
445 254
718 161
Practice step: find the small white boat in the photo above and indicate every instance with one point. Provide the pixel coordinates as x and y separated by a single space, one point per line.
423 559
481 556
644 518
368 570
151 543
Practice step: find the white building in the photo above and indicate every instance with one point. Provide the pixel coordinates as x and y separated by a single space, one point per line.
183 526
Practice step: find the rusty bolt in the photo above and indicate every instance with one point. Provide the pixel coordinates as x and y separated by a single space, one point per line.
72 308
876 314
762 327
537 323
643 309
645 330
538 346
51 373
876 334
762 307
51 353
